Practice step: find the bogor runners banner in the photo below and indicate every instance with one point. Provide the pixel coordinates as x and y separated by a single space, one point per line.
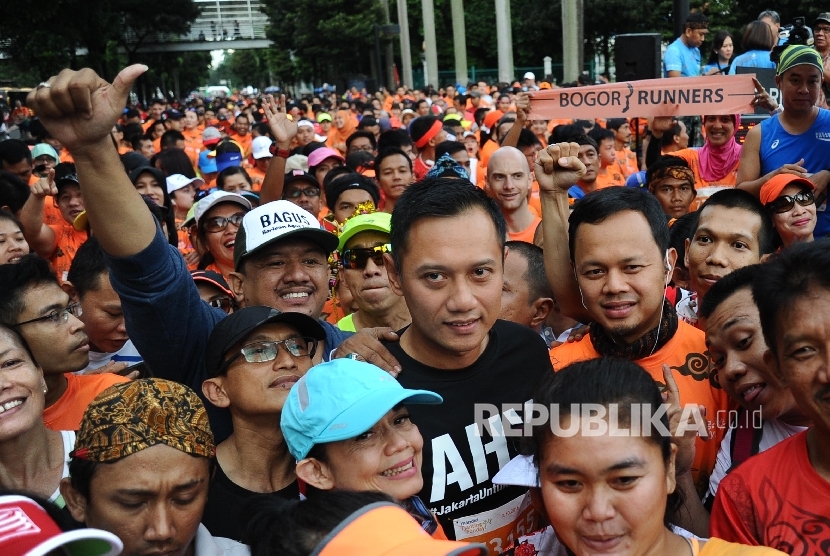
676 96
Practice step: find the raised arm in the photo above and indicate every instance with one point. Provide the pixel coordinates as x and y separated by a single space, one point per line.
40 237
284 131
522 108
79 109
557 169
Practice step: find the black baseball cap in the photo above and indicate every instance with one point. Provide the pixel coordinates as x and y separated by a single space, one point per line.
299 175
171 114
231 330
158 174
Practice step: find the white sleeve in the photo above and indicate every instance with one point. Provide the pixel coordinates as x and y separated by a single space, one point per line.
722 464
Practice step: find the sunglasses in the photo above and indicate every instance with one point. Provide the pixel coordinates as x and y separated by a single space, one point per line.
786 203
219 223
308 192
264 351
358 258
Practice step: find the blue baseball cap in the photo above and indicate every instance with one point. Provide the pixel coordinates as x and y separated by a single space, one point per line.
207 164
339 400
226 160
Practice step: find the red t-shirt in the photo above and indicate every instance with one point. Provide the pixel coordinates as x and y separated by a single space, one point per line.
775 499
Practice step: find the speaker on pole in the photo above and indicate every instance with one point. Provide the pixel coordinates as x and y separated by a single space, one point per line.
637 56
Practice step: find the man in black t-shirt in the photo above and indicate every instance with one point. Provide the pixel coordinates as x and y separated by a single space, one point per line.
447 261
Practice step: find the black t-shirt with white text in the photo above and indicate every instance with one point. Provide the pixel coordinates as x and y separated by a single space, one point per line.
458 463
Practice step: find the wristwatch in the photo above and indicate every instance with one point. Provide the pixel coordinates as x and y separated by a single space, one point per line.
281 153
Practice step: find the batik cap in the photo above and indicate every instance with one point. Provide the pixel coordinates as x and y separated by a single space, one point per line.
132 416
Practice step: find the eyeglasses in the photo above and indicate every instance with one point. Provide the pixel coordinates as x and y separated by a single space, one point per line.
823 30
264 351
358 258
227 304
786 203
58 316
219 223
308 192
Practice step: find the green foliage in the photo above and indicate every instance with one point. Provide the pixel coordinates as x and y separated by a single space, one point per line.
242 68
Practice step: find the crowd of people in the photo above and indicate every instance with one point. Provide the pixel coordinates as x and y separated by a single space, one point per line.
259 325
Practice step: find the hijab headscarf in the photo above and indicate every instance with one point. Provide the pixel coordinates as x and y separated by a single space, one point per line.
717 162
339 136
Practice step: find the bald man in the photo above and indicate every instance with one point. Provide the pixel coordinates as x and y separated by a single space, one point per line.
508 182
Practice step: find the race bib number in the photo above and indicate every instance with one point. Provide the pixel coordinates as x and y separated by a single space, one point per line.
500 527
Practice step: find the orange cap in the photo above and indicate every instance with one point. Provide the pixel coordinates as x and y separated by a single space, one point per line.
771 190
385 529
492 118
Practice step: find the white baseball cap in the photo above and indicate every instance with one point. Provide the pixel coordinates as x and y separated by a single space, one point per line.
530 75
177 181
214 199
261 147
276 221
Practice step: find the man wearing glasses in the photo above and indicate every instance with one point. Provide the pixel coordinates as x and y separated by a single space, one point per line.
253 358
32 301
364 240
302 189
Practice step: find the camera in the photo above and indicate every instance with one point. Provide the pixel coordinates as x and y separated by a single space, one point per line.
797 33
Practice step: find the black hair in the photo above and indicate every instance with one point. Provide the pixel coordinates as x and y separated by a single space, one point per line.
668 136
169 139
535 276
605 381
740 199
449 147
335 173
583 140
420 126
439 197
563 133
263 129
613 124
173 161
14 192
131 131
598 205
772 14
394 138
9 217
419 103
362 133
136 141
585 124
13 151
797 272
386 153
727 286
87 267
682 229
132 113
504 120
164 215
311 147
527 139
18 338
227 145
758 36
600 134
695 19
280 527
333 192
360 160
231 171
717 43
17 279
368 121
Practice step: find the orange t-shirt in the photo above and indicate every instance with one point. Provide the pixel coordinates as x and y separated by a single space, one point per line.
257 177
527 234
66 157
51 214
691 156
613 176
534 200
66 413
484 155
687 356
627 161
244 142
776 499
68 241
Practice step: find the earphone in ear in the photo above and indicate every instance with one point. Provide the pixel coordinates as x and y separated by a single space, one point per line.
668 270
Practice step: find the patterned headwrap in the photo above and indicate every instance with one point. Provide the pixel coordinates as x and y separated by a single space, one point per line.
797 55
674 172
132 416
447 167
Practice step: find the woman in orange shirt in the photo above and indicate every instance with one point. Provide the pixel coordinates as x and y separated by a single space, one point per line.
343 126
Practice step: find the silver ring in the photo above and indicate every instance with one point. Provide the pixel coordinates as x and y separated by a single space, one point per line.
355 357
43 85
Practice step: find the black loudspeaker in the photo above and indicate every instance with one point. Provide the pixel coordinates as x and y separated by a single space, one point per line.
637 56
